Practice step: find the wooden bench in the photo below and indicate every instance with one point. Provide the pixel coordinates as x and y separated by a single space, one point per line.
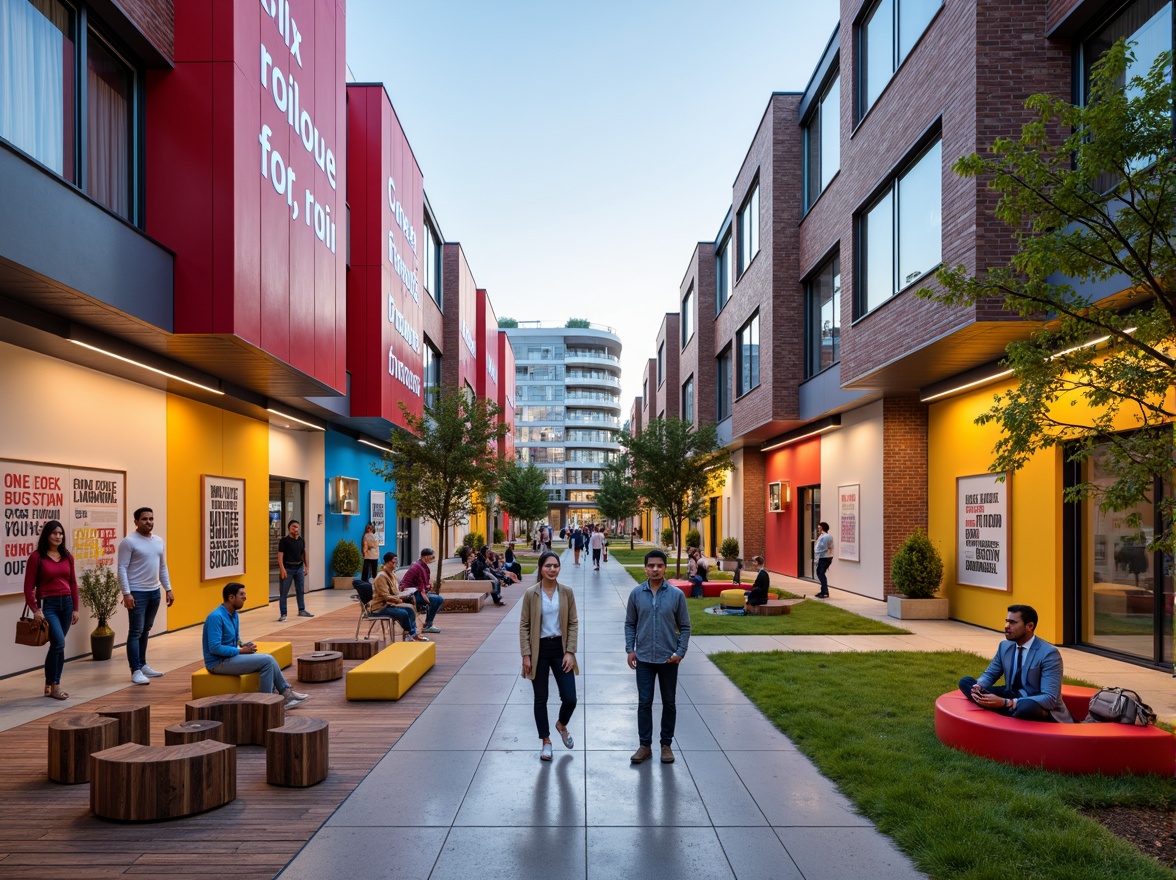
137 783
134 722
193 731
208 684
390 674
71 742
1110 749
463 603
296 754
773 608
320 666
246 717
352 649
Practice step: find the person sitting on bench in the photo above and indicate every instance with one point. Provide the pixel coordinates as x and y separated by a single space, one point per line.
386 601
480 569
225 655
511 564
758 594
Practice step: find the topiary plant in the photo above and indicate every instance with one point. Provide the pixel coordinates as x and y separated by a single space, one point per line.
693 538
917 569
729 549
499 536
667 535
346 561
473 540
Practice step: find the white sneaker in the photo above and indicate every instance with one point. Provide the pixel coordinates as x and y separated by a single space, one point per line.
293 702
149 672
139 678
291 694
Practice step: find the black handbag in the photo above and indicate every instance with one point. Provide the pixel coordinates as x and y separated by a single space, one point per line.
30 631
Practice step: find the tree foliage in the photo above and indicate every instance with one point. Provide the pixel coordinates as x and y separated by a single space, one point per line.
1089 193
445 462
675 467
618 497
521 492
508 323
578 323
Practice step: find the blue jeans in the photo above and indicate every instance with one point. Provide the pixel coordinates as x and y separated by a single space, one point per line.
667 677
58 610
266 667
296 573
140 619
822 567
551 654
406 617
432 601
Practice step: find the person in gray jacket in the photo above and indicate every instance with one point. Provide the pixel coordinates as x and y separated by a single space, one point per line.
657 632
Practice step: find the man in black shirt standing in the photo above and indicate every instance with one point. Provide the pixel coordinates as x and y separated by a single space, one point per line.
292 564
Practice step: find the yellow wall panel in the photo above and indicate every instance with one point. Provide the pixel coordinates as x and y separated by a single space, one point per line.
202 439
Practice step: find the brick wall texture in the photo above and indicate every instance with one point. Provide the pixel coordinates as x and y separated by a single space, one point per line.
154 19
904 476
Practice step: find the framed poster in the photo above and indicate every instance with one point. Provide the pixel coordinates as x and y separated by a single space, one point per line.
773 497
222 523
982 531
377 503
848 521
89 502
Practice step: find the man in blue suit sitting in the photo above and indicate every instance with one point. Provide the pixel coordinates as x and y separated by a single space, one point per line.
1032 672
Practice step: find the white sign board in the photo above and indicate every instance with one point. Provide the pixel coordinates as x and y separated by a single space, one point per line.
982 531
223 524
849 506
378 502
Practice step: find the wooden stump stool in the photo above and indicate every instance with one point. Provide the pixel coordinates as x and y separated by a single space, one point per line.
134 722
773 608
320 666
246 717
193 731
296 752
71 742
352 649
136 783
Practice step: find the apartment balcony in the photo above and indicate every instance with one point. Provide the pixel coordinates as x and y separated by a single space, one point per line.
592 418
606 381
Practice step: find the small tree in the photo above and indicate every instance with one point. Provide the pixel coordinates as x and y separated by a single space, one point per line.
1089 193
445 463
346 560
917 567
617 497
521 492
675 467
694 539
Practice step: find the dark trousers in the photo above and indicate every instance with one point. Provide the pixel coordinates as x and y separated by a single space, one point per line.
1026 710
822 568
667 678
58 610
596 556
550 657
371 568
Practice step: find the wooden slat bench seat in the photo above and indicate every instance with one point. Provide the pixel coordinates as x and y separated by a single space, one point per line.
207 684
134 722
296 754
137 783
351 649
246 717
390 674
71 742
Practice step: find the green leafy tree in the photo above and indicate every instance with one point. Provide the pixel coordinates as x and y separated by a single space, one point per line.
578 323
1089 194
674 467
445 462
521 492
508 323
618 497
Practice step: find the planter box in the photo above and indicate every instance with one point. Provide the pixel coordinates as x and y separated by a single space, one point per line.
338 583
726 564
917 609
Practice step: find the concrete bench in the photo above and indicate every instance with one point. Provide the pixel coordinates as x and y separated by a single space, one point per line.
71 742
208 684
296 754
1111 749
390 674
138 783
245 717
463 603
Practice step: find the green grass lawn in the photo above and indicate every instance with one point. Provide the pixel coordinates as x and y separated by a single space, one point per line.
809 618
866 721
638 573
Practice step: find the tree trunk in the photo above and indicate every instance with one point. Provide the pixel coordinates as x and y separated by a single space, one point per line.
443 542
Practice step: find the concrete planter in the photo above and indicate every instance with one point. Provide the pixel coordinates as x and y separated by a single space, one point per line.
726 565
341 583
903 608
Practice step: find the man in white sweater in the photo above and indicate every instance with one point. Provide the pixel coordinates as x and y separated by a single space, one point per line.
142 569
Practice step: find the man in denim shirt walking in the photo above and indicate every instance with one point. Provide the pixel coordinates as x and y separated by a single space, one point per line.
657 631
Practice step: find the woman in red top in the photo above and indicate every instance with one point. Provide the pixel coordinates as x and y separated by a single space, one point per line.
51 591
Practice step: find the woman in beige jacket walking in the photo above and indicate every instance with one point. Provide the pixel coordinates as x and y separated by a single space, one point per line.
548 631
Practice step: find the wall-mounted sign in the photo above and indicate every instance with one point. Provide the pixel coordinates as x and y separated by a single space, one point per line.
223 527
849 505
343 495
982 531
378 503
774 497
88 502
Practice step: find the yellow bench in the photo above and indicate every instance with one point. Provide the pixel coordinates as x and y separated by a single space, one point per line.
207 684
390 674
732 598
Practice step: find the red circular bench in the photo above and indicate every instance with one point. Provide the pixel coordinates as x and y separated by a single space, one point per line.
1111 749
710 589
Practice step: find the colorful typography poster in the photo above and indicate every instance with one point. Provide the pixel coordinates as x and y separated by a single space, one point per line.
378 501
223 527
982 531
848 522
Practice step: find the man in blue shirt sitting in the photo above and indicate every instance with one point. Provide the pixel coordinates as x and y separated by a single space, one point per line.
225 655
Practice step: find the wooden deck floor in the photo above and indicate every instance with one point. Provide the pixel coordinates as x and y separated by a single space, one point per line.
47 830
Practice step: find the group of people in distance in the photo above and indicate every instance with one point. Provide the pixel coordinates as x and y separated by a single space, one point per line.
589 537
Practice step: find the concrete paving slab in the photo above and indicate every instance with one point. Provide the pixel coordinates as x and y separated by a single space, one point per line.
516 789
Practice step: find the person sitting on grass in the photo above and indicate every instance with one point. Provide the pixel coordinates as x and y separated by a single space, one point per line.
386 600
225 655
1032 671
758 594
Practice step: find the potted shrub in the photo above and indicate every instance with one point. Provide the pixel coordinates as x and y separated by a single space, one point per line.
693 539
917 571
100 593
667 536
346 562
729 551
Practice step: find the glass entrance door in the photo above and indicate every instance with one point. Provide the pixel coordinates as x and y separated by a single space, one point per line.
404 540
287 501
810 501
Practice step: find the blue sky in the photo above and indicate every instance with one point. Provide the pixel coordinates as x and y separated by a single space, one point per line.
579 151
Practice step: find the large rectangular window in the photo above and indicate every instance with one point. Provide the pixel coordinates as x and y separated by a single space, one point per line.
900 235
823 315
432 260
431 374
822 137
724 273
42 98
885 38
723 385
687 314
747 373
688 400
749 229
661 364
